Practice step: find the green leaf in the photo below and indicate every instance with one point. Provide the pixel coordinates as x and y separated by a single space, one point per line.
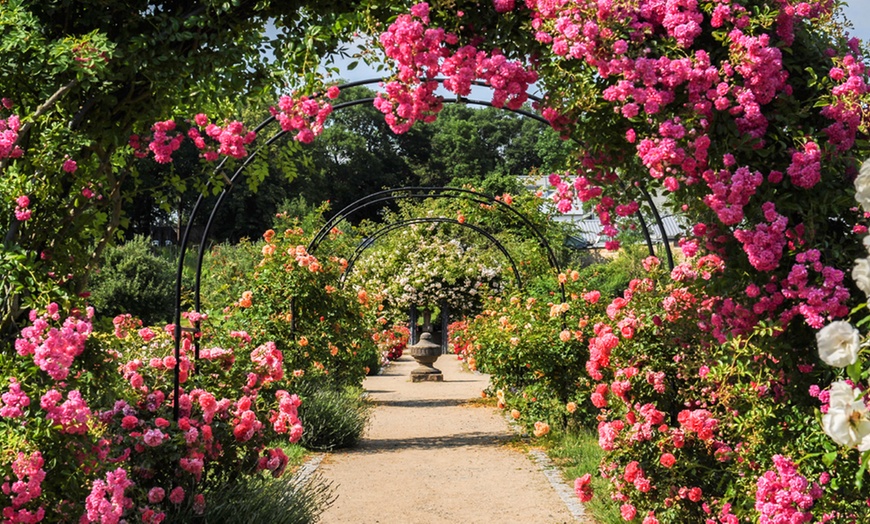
859 475
854 372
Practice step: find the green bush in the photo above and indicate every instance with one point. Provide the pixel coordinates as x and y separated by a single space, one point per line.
263 499
333 418
133 279
611 276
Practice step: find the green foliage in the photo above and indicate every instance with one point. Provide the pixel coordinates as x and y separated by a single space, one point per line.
263 499
82 84
517 222
283 293
611 275
488 148
333 418
422 265
133 279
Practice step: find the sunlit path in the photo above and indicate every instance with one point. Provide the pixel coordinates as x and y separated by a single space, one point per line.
428 456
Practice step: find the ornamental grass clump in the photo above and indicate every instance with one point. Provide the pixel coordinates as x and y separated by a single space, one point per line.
266 499
333 418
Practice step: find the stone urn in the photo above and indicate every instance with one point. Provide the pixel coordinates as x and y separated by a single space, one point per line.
426 352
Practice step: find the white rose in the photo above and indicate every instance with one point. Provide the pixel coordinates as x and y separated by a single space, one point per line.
838 344
861 275
862 186
847 421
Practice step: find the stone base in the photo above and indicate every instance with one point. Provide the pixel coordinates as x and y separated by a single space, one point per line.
427 377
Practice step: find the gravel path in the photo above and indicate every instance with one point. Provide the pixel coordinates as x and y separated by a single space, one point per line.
430 457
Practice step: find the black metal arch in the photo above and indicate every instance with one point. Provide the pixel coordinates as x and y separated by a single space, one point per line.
389 228
229 181
419 192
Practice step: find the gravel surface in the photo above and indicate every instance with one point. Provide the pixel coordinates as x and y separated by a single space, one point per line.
429 456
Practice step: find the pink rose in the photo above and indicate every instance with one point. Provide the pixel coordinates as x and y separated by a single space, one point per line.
153 437
176 496
156 495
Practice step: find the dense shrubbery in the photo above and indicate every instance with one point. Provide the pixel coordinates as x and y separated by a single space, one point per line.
689 426
133 279
295 299
100 439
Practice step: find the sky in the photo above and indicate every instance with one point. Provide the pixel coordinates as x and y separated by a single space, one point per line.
856 11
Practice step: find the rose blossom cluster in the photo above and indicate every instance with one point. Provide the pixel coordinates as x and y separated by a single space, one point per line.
163 142
421 53
22 208
231 139
286 419
107 501
53 348
268 364
731 192
72 415
9 128
588 187
764 244
14 401
785 495
303 115
29 472
845 107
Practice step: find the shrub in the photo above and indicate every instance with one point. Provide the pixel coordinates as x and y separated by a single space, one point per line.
296 299
333 418
90 415
133 279
265 499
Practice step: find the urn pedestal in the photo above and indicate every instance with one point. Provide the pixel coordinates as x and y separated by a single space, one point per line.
426 352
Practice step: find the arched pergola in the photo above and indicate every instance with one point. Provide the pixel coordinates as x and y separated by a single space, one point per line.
280 134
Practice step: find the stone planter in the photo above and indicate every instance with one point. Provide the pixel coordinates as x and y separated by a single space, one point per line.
425 352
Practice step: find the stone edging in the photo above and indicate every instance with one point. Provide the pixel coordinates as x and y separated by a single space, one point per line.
304 473
553 475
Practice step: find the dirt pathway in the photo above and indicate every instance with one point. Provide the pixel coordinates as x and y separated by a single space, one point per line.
429 457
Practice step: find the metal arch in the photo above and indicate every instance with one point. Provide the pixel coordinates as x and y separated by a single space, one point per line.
427 220
229 184
427 192
661 225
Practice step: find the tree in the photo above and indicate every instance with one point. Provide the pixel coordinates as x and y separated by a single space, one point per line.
77 83
358 154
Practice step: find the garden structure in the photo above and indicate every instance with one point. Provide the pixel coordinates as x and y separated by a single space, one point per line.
727 384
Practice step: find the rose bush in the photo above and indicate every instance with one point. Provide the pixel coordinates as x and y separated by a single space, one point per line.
420 267
846 417
295 299
392 341
88 420
691 429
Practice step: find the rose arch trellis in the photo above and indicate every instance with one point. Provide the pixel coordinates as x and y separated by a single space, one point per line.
240 170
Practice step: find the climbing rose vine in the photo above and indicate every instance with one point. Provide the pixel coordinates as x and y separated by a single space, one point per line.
421 53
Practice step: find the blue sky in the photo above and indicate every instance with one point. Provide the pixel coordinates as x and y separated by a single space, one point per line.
856 11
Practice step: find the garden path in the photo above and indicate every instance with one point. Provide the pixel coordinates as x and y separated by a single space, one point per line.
430 456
